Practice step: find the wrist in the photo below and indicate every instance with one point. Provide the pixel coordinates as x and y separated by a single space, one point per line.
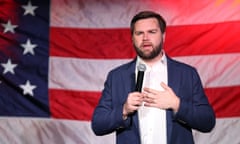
176 105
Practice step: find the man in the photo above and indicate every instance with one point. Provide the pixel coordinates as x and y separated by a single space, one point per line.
172 101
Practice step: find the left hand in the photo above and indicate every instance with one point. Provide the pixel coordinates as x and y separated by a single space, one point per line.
166 99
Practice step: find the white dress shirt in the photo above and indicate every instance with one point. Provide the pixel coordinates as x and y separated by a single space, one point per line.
152 121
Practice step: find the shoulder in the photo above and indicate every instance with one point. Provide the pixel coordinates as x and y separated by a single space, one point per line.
129 66
123 71
179 64
181 67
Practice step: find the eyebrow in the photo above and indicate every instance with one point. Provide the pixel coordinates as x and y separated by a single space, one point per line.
150 30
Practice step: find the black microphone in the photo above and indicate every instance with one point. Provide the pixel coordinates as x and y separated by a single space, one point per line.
141 68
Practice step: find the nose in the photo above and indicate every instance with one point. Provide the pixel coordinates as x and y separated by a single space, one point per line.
145 36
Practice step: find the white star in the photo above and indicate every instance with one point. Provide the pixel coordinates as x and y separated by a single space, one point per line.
29 9
8 67
8 27
28 47
28 88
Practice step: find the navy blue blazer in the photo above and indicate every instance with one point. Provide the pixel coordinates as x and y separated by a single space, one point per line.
194 112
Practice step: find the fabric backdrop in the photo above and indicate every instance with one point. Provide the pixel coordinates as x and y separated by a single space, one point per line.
55 55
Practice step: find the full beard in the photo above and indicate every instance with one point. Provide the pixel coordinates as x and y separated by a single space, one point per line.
148 56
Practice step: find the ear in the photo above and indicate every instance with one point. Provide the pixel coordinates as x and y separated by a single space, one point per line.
163 37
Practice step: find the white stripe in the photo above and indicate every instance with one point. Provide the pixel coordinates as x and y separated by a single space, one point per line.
41 131
226 131
49 131
216 70
79 74
116 14
90 74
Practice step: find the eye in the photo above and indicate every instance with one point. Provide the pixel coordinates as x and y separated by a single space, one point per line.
153 31
138 33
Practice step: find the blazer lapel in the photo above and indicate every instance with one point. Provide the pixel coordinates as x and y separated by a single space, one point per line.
173 82
130 82
128 77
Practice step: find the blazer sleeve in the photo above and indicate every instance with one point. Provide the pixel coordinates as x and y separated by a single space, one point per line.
194 110
107 116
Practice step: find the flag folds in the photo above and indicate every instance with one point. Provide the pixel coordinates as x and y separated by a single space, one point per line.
55 56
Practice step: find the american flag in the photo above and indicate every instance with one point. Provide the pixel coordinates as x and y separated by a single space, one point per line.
55 56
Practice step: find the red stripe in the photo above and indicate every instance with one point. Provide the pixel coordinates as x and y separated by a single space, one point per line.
8 10
80 105
91 43
205 39
219 38
225 101
73 104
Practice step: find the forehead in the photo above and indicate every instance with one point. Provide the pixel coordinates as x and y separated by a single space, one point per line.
148 23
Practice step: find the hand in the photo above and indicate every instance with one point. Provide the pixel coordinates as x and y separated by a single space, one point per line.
166 99
133 102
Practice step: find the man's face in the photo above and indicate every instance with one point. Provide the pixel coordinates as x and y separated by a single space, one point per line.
147 38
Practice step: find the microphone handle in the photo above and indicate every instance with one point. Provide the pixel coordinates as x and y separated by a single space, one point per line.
139 81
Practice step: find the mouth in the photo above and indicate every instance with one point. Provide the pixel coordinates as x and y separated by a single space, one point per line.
146 46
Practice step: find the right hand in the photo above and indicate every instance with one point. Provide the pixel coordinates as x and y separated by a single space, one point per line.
133 102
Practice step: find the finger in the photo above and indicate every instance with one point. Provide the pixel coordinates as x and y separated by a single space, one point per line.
165 87
135 94
138 103
133 108
147 104
148 99
149 90
150 105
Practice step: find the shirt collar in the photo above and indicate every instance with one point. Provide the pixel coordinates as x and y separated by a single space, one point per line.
163 61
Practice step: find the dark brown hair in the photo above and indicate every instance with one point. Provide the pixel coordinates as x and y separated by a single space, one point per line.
148 14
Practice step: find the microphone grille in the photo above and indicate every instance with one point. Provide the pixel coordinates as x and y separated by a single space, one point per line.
141 67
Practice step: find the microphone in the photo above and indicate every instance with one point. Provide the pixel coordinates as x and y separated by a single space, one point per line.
141 68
